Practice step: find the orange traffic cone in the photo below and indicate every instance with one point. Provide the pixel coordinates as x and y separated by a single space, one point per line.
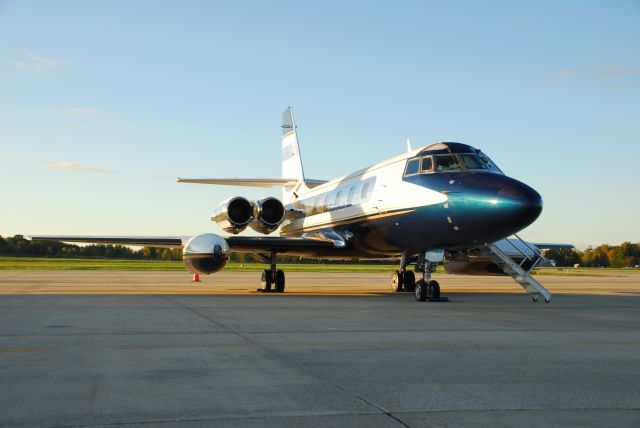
196 278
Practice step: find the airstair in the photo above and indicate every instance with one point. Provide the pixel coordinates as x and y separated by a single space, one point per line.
520 272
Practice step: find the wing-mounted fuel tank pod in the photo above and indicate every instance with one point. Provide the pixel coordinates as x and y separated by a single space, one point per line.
206 253
268 214
233 215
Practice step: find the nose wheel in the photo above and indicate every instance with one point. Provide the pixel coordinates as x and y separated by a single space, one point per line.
427 289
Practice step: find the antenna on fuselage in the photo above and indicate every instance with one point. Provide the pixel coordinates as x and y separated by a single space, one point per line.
409 148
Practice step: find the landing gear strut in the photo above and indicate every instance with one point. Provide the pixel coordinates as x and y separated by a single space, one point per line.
403 280
271 277
427 288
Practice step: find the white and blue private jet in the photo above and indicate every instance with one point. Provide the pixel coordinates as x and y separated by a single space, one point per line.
445 203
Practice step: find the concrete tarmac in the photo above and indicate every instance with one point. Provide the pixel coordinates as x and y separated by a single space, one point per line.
103 348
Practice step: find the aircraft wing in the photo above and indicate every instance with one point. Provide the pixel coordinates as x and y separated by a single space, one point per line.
549 246
143 241
242 244
297 246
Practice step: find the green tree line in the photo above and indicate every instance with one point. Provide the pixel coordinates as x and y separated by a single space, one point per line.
17 246
615 256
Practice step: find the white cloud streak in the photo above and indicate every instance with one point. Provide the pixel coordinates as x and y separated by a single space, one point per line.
615 72
86 111
73 166
557 76
611 73
37 63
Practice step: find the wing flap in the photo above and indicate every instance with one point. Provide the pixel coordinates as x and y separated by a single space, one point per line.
297 246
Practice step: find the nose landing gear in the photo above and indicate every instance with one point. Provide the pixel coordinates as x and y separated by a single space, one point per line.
427 289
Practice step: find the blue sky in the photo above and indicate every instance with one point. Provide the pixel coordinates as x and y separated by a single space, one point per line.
104 104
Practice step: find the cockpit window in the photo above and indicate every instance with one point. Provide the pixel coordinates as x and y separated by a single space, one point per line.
412 167
446 163
427 164
471 161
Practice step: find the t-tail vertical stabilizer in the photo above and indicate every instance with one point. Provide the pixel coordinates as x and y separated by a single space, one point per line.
291 160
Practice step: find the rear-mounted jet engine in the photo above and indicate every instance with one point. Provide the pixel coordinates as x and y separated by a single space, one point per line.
233 215
268 214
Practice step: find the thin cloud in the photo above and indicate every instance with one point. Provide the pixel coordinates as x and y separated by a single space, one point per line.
86 111
616 72
602 73
73 166
37 63
559 75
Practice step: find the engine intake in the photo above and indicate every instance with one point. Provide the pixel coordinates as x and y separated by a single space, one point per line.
233 215
268 214
206 253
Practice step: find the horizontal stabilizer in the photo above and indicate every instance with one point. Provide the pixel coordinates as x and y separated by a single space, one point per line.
251 182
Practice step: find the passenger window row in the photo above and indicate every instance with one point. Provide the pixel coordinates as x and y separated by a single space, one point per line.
355 194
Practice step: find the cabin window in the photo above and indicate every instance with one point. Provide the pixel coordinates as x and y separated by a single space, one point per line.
426 164
412 167
325 204
365 189
315 205
338 200
446 163
350 196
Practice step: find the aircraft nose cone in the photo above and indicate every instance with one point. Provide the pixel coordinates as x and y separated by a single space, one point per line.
519 204
494 206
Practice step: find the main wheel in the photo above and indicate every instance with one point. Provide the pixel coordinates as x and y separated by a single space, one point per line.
409 280
396 281
266 280
279 280
433 290
420 291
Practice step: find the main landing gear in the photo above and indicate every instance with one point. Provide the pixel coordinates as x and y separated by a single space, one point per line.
272 277
403 279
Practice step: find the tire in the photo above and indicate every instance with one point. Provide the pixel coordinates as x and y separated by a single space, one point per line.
396 281
409 280
279 281
433 290
420 291
266 280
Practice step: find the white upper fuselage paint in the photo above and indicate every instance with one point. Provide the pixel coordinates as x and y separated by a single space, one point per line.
378 189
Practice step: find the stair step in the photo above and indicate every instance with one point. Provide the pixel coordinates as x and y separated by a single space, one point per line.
515 271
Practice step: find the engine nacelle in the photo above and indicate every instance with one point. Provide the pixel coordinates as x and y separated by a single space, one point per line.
206 253
268 214
233 215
